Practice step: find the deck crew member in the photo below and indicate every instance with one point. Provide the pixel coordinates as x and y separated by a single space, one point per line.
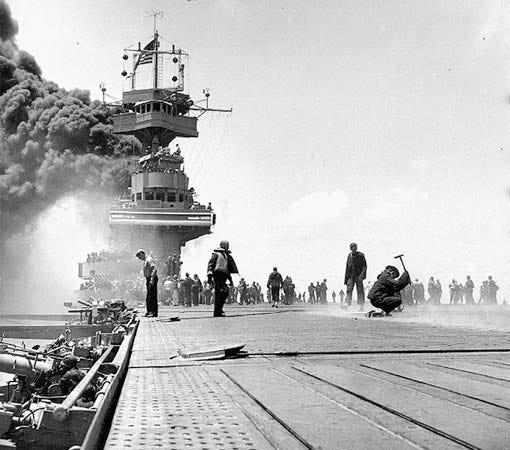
150 272
469 287
492 290
274 284
72 375
219 270
187 285
385 291
355 273
196 290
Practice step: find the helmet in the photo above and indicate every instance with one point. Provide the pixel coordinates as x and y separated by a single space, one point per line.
394 271
70 361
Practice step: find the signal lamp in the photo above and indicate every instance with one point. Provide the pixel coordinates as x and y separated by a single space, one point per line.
124 56
174 78
175 60
123 73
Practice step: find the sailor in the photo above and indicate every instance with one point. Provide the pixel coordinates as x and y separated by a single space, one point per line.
385 291
220 269
418 292
333 296
72 375
355 273
186 285
341 297
241 287
196 289
453 287
492 290
311 293
468 291
439 291
150 272
167 287
324 291
274 284
207 293
432 290
484 289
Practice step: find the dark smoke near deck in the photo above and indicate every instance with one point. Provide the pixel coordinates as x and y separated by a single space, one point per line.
53 142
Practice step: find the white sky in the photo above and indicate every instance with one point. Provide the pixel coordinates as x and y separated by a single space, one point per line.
384 123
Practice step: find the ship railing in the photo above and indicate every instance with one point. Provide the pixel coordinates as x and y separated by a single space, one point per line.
112 361
61 412
97 432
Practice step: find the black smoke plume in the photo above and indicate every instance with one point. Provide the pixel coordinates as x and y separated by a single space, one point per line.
54 143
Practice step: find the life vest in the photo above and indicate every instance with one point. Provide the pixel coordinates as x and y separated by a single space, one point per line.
221 263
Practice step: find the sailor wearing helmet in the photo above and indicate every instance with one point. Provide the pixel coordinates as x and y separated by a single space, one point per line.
385 293
220 269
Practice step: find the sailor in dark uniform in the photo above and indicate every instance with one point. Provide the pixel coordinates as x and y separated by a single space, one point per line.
219 270
385 292
355 273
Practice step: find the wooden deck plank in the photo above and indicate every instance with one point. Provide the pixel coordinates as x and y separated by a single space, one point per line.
454 382
474 429
324 423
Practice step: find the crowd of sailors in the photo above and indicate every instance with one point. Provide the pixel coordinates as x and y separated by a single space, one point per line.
190 291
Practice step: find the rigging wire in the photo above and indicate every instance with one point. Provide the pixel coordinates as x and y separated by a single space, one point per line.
215 154
209 143
197 154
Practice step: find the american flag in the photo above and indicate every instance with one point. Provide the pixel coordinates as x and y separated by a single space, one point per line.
145 58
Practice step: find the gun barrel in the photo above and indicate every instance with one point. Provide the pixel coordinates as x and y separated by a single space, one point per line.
21 365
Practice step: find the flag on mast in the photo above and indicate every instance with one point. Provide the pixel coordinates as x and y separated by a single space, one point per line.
146 57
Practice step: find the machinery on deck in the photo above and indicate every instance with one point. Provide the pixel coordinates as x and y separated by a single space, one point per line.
58 389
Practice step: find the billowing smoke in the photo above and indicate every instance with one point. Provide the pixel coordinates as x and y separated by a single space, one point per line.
53 142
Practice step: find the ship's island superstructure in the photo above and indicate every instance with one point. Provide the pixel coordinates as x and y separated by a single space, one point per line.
159 213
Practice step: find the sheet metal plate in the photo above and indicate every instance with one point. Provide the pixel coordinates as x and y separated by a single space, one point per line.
179 408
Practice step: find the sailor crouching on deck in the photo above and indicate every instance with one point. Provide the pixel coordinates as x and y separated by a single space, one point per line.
385 291
220 269
150 272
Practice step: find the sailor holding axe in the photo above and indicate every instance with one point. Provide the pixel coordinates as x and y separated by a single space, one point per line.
385 292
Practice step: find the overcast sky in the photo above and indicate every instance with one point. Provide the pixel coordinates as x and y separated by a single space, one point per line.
384 123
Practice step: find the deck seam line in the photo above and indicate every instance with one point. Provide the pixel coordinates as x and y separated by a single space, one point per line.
363 417
470 371
397 413
271 413
439 387
267 436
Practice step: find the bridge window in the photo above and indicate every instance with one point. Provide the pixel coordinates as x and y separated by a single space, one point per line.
149 195
148 107
181 197
156 106
171 197
138 195
160 196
